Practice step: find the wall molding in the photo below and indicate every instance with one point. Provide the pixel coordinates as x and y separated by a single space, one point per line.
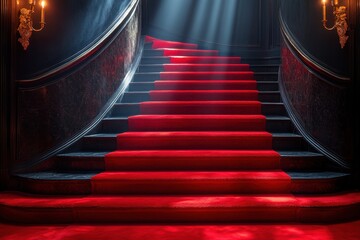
300 127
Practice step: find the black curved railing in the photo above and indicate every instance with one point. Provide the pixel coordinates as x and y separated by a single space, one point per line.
315 81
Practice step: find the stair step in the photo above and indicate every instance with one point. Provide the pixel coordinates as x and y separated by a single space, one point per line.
192 160
288 142
279 124
195 75
81 161
258 68
190 59
201 160
175 182
144 68
192 67
141 96
111 125
194 140
191 182
204 85
200 107
261 60
158 43
207 107
280 141
99 142
302 160
203 95
154 123
120 124
24 208
178 52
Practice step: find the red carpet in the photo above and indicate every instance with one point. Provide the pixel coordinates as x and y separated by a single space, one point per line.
206 67
340 231
197 153
206 85
202 95
197 123
204 59
206 75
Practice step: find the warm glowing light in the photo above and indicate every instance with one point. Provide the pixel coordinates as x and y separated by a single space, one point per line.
324 10
43 4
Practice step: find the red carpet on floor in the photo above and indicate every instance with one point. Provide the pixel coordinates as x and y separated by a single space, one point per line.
340 231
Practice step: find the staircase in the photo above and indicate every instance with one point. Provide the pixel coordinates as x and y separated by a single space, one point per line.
196 138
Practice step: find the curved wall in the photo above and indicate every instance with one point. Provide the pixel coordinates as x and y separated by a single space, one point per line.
50 115
71 28
316 80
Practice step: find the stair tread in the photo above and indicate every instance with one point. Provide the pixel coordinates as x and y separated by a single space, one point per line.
83 154
113 135
271 117
224 90
185 175
193 153
300 154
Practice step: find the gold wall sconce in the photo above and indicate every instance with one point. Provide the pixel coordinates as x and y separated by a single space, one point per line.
340 23
26 28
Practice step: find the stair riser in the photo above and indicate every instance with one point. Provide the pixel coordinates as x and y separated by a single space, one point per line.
160 68
196 124
178 52
162 60
199 107
114 125
169 186
125 110
118 126
185 187
151 77
147 86
110 144
190 164
193 142
136 97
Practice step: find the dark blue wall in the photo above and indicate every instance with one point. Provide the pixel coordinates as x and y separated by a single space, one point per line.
246 27
71 27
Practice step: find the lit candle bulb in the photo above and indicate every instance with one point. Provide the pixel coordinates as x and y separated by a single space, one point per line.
42 20
324 10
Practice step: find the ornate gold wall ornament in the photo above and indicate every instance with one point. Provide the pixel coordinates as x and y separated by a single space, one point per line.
25 27
340 21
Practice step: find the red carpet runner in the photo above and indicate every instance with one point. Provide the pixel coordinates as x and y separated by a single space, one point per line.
202 128
198 153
